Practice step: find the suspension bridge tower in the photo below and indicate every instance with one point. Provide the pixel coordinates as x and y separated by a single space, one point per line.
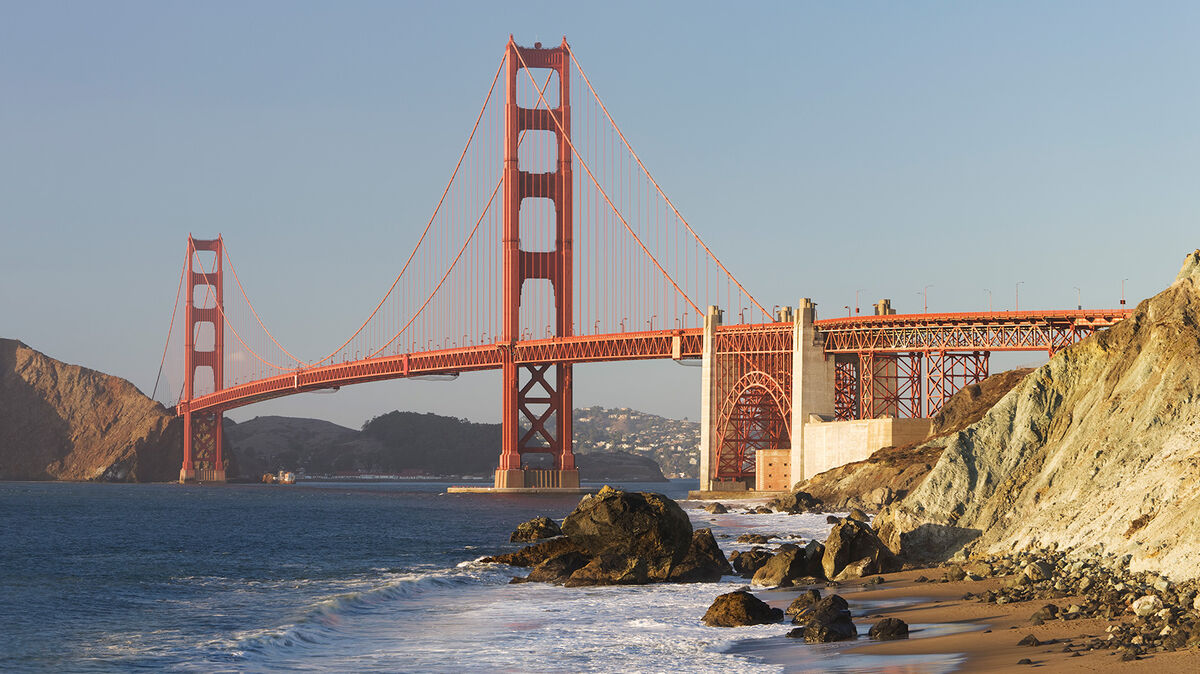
537 397
203 459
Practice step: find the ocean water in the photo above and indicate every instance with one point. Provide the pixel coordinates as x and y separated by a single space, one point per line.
347 577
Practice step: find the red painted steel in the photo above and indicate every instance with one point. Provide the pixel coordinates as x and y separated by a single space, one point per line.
544 400
203 458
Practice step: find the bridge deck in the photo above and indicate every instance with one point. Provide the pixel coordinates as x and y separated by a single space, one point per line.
997 331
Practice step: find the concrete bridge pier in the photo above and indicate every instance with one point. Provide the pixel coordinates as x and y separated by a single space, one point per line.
812 383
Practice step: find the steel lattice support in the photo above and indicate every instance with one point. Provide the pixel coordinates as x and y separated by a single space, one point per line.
753 382
203 458
544 399
948 373
845 387
890 385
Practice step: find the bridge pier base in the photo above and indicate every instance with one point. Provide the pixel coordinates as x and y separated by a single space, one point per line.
537 480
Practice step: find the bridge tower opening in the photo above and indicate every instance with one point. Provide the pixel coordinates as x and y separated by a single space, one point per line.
203 458
537 397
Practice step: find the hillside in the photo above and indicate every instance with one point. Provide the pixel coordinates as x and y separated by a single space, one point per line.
672 443
892 472
403 443
66 422
1097 450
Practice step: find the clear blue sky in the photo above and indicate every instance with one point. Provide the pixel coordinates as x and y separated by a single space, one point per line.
819 148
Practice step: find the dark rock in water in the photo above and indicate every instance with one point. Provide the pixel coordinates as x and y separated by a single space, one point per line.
532 555
645 526
716 508
807 598
853 550
558 569
782 570
740 608
796 502
857 514
746 563
832 519
610 569
889 629
704 561
535 530
825 621
763 510
753 538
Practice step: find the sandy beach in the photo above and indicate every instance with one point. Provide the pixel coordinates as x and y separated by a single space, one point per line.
991 643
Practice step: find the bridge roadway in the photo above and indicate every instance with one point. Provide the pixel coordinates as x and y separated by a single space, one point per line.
995 331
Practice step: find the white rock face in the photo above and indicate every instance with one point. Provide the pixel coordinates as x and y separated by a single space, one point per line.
1146 606
1097 450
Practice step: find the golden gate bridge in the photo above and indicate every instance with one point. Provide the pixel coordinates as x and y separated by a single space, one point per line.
552 244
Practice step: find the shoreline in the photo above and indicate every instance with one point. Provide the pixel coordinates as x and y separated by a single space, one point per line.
984 636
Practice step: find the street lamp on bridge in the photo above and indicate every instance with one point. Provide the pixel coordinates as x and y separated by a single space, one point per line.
989 292
925 298
1078 299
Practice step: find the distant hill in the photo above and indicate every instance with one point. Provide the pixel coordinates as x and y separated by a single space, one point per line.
673 444
406 443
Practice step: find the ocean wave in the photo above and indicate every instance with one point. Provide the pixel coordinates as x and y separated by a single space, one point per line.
323 621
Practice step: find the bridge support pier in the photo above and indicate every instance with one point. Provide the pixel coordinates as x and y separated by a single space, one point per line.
813 375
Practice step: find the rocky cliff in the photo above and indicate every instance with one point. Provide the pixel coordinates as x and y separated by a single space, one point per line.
1098 451
65 422
892 472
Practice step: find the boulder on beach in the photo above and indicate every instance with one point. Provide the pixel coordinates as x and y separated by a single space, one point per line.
825 621
889 629
853 551
803 601
716 508
535 530
740 608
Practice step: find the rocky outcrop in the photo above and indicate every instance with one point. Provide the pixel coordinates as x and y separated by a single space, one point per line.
853 551
1098 450
66 422
623 538
535 529
795 502
740 608
891 473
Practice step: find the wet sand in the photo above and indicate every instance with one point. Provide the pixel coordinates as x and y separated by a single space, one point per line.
991 631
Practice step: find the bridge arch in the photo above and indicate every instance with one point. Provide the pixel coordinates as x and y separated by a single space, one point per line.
756 414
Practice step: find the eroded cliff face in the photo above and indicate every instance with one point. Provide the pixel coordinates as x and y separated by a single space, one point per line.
65 422
892 472
1097 450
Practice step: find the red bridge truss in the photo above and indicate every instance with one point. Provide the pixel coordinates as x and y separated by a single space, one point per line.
553 245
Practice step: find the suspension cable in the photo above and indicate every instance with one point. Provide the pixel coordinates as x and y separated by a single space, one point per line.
582 162
657 187
170 330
